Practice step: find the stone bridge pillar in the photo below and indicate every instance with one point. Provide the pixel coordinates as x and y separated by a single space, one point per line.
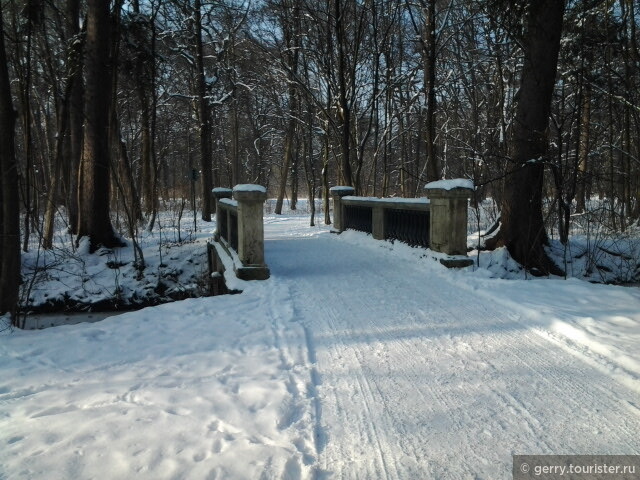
338 212
448 222
250 200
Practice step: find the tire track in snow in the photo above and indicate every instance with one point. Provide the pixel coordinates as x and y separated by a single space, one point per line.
363 382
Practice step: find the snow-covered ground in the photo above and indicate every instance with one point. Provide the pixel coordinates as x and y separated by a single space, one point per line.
356 359
67 277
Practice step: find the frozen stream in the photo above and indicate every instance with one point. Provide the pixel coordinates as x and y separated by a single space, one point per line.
45 320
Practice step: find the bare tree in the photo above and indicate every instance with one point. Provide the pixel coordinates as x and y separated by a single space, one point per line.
94 220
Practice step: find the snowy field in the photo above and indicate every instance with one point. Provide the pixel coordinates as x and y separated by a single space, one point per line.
357 359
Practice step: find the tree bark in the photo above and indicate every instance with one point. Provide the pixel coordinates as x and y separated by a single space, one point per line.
51 204
93 201
522 230
9 200
291 25
583 149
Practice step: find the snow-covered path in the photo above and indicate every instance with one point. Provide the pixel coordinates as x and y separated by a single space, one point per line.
414 378
356 360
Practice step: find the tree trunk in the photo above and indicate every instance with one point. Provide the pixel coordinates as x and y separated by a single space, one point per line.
93 201
432 167
143 85
344 105
288 155
52 195
326 205
291 25
206 154
522 230
583 149
76 114
9 199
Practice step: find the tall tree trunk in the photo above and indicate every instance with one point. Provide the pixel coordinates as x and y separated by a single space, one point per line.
635 57
583 149
286 165
344 104
27 133
76 114
143 85
291 25
146 157
326 206
234 129
204 115
52 195
9 198
294 175
522 230
93 201
432 166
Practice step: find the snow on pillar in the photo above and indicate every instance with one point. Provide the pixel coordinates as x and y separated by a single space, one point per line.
338 212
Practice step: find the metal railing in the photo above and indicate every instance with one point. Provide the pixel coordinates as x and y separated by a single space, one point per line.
408 226
357 217
403 219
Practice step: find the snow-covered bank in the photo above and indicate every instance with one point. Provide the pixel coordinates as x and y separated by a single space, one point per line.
356 359
66 278
203 388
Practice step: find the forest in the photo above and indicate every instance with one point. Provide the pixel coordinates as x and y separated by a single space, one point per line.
111 112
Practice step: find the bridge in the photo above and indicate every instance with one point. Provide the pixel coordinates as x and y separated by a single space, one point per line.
438 222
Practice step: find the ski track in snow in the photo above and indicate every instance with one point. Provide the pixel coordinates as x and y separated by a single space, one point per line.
438 382
351 362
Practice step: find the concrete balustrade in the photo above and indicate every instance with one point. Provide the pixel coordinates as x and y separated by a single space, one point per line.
251 200
221 214
447 223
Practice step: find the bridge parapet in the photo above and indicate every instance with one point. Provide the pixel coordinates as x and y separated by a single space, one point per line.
438 222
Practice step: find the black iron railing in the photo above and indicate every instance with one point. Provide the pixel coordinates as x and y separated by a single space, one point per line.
359 218
403 219
407 226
